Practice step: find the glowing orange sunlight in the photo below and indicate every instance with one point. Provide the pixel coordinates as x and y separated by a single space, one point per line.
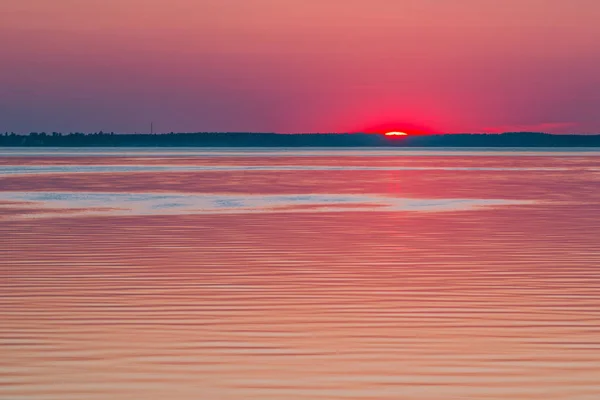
396 134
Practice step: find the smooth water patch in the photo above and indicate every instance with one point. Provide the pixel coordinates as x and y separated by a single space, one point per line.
68 169
52 204
294 151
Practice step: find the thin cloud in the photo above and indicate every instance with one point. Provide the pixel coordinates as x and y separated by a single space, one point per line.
548 127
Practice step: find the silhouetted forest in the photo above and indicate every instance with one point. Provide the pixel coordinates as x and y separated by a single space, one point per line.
237 139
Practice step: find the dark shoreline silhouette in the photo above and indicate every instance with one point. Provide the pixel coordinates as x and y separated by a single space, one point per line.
239 139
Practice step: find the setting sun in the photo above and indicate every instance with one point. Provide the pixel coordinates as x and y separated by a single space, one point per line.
396 134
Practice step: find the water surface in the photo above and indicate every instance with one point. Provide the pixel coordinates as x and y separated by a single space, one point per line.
193 274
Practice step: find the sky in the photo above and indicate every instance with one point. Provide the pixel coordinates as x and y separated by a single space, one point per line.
300 65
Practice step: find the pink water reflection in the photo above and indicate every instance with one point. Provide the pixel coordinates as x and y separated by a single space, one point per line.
486 304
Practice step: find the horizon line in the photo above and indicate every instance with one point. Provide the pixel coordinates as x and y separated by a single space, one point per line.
102 132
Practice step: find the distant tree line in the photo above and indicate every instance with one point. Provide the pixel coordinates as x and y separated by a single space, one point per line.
240 139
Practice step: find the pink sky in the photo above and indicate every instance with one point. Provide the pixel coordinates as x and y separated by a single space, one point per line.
299 65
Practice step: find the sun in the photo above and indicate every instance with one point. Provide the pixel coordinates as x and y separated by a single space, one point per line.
395 133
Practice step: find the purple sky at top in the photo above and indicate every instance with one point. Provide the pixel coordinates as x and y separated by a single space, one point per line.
299 65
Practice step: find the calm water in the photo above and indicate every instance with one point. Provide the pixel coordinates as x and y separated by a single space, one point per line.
362 274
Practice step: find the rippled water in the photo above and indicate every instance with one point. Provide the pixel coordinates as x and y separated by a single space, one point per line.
150 274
